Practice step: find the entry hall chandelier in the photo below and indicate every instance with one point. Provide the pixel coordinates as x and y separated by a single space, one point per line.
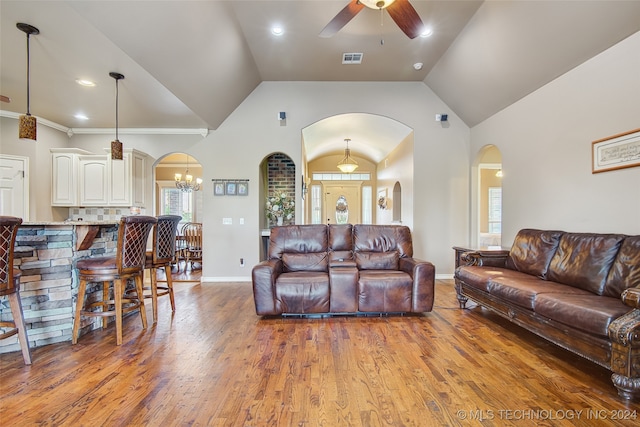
188 184
348 164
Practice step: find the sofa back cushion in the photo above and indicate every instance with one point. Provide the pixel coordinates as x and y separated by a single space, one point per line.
300 247
379 247
583 260
532 251
625 272
340 242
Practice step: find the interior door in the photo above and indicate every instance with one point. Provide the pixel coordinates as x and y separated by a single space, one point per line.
14 186
351 192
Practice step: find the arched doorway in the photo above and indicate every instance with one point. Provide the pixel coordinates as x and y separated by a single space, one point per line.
168 199
397 203
488 197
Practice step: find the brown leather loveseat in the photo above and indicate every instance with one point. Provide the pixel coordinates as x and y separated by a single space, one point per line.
342 269
580 291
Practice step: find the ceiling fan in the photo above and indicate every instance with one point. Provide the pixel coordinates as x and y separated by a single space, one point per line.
401 11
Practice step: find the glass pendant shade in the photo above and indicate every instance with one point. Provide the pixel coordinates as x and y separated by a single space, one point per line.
347 164
27 127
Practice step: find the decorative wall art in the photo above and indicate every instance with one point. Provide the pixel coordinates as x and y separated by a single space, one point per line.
230 187
616 152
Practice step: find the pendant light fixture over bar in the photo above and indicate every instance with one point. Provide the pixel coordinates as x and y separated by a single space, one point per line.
348 164
27 127
116 146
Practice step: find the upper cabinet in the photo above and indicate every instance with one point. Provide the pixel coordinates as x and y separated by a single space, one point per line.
64 183
84 179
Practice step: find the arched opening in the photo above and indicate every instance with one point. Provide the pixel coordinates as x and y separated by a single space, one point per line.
488 197
396 205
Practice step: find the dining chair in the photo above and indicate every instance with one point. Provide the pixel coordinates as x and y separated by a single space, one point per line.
193 243
10 285
162 255
128 263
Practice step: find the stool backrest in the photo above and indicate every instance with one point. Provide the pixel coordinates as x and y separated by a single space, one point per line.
164 238
133 234
8 231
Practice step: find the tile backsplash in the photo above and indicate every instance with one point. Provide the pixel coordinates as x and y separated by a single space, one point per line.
103 214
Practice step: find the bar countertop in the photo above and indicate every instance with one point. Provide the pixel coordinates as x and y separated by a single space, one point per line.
74 222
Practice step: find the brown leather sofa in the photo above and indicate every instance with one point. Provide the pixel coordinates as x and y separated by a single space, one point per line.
342 269
580 291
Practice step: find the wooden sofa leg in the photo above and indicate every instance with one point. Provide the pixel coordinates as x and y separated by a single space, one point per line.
462 300
624 333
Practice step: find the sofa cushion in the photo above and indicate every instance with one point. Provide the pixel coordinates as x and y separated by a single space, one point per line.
532 251
377 260
384 291
590 313
340 242
302 292
478 276
314 261
583 260
523 289
625 272
383 238
300 239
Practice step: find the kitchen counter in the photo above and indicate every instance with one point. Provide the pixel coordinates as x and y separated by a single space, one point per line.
47 253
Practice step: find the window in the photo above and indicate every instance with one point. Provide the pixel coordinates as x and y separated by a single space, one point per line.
316 205
367 204
177 202
495 210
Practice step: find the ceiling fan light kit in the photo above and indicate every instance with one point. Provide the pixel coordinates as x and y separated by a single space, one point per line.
401 11
116 146
27 127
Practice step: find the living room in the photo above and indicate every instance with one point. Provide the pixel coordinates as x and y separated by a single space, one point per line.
545 140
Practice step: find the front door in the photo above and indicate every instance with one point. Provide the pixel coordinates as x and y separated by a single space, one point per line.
14 186
351 191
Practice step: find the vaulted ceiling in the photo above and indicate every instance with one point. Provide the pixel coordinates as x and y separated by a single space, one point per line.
189 64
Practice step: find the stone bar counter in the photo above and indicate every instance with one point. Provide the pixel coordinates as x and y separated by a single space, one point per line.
46 253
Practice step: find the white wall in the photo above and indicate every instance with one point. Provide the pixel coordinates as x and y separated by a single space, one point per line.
545 141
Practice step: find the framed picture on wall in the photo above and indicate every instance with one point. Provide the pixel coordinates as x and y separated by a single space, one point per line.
242 188
231 188
218 188
616 152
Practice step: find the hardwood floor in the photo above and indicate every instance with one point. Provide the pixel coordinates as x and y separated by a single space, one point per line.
215 363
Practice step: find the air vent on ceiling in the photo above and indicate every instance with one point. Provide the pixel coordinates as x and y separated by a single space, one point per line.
352 58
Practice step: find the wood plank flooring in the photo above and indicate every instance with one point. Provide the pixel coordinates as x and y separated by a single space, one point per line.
215 363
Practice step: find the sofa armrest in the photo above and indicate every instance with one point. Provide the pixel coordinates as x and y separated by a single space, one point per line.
264 277
423 274
489 258
631 297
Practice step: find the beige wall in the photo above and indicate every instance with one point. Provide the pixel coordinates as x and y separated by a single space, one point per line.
545 141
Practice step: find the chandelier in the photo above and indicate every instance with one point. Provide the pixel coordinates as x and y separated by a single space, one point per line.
347 165
187 185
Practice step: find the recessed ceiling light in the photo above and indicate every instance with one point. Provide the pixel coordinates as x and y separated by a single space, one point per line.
277 30
81 116
427 32
418 65
83 82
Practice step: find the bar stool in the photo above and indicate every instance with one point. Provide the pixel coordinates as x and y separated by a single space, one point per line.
162 256
128 263
10 285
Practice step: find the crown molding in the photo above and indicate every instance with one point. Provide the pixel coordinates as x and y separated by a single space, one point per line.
108 131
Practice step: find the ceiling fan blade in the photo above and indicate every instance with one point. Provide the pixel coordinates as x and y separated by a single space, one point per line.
406 17
5 98
341 19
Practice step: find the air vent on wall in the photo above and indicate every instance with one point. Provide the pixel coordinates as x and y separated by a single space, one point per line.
352 58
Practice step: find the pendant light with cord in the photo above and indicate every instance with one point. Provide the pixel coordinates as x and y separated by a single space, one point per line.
116 146
27 128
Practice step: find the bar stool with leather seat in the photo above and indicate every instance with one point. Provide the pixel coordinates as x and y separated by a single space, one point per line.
128 263
162 256
10 285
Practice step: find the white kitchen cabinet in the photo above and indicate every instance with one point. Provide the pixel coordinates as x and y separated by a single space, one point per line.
93 177
127 179
64 176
